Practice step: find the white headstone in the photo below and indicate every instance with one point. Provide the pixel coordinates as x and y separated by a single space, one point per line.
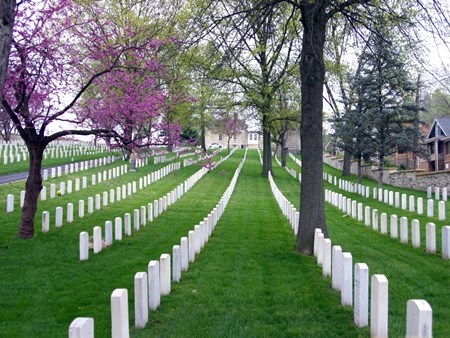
375 219
404 230
420 205
82 327
164 262
411 203
140 299
360 212
367 216
184 254
81 208
90 205
97 239
317 231
118 228
430 208
394 226
150 212
84 246
346 279
441 207
69 212
320 238
10 203
136 220
415 233
336 267
431 237
191 246
127 221
446 242
119 314
397 199
404 202
326 248
154 290
361 308
419 319
45 221
379 306
176 263
108 233
59 217
44 193
105 198
383 226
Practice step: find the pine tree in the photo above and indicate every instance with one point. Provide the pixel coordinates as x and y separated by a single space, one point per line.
385 96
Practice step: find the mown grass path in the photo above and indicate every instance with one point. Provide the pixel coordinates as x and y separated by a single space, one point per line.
248 281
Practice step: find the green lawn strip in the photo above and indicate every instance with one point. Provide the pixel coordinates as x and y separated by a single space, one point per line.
248 281
412 274
11 220
392 210
45 287
23 166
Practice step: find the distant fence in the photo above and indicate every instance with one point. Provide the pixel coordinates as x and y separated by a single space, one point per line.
411 179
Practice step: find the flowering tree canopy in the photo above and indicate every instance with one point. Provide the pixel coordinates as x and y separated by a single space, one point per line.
73 72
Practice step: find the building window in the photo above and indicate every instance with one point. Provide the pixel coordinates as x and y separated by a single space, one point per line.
234 137
220 137
447 144
255 137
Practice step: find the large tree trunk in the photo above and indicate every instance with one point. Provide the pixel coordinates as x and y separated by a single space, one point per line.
312 71
380 171
346 169
33 188
284 152
267 150
7 13
203 137
359 169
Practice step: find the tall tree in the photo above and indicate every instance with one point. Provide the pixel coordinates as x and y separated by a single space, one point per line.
58 54
386 95
259 47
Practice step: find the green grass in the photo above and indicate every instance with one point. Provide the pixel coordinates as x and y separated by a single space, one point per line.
247 281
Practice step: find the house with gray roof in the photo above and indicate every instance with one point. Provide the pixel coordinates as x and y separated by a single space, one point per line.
438 145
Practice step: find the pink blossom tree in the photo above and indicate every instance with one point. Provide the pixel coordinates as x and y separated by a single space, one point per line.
229 124
72 72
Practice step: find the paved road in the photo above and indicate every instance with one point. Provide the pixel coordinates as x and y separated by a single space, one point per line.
23 176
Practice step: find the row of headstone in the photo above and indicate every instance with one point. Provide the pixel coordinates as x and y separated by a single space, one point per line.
150 285
154 210
295 159
380 222
114 194
352 281
17 152
394 198
75 167
287 208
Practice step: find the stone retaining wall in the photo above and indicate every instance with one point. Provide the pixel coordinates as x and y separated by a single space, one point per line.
411 179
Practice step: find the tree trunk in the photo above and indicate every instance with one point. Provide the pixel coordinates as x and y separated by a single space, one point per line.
380 171
267 151
203 137
32 190
7 13
346 169
359 169
312 71
284 152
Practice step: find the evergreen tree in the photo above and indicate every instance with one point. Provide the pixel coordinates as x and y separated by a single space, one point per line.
386 101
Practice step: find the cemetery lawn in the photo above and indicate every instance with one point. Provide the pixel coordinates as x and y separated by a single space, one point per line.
23 166
246 282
